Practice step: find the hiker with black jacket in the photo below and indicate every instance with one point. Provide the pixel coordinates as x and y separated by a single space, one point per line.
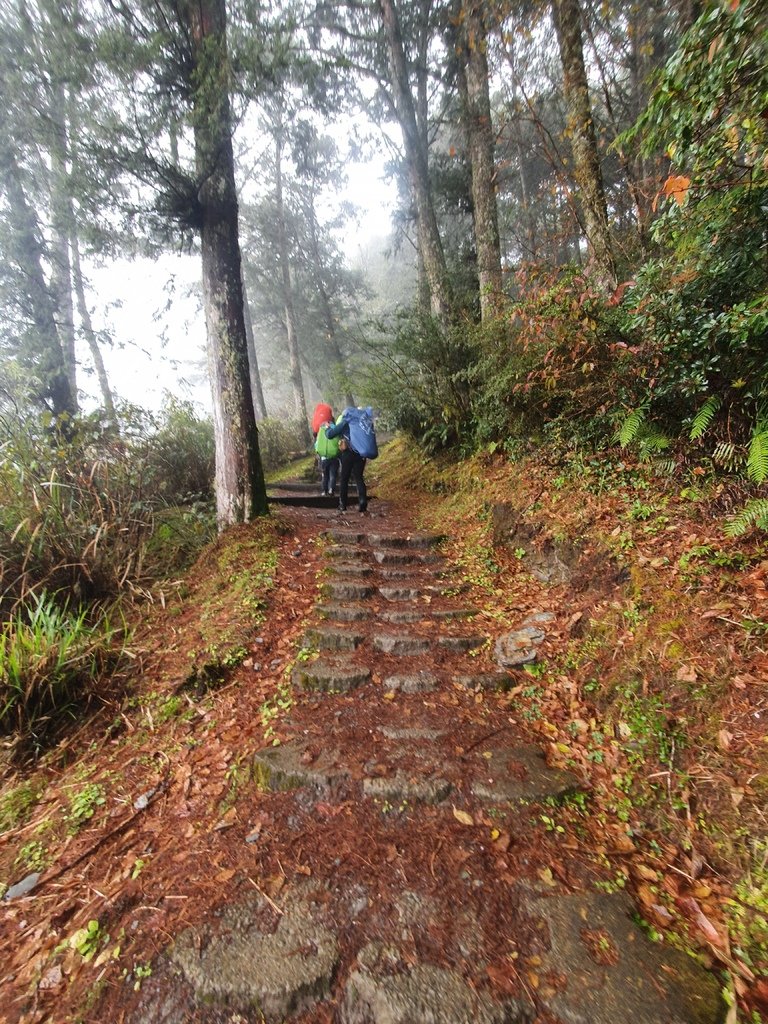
357 443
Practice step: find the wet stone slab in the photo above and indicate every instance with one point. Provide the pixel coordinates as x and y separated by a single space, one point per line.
614 973
346 591
345 552
245 964
401 788
329 677
292 765
344 612
387 988
333 638
400 645
520 773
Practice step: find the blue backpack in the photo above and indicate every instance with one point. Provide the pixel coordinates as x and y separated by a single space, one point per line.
362 436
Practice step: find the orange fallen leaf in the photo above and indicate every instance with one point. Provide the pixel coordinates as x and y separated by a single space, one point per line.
463 817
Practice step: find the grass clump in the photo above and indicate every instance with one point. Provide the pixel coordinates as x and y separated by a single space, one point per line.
51 660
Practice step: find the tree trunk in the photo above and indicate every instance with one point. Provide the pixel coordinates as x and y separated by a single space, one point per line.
297 382
28 255
88 331
581 128
418 170
240 489
422 120
473 41
257 392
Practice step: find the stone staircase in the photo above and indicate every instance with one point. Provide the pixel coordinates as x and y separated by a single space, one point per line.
425 888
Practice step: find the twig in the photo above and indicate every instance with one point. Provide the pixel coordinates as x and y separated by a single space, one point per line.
269 899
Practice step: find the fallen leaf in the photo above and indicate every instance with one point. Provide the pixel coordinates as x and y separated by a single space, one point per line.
546 876
724 739
686 674
463 817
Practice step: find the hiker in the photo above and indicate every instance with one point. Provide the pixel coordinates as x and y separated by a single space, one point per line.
357 443
328 452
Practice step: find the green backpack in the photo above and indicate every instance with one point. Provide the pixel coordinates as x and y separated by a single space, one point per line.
326 447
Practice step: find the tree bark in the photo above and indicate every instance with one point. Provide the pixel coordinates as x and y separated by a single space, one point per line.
240 488
294 358
473 41
581 128
416 162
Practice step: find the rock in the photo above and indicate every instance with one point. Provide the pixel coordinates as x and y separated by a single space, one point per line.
401 645
287 767
344 553
454 613
344 591
395 574
386 988
344 537
22 888
520 647
330 638
413 682
400 788
518 774
409 734
614 972
396 558
247 964
329 677
351 569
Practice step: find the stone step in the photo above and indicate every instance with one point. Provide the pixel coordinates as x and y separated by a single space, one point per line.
344 612
348 537
498 682
520 774
346 591
461 644
412 682
400 616
329 677
351 569
400 645
346 553
397 558
454 613
332 638
405 540
400 788
400 593
287 767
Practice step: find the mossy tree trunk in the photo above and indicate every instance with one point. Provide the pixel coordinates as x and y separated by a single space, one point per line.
240 489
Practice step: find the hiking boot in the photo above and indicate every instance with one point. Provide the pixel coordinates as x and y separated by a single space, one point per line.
342 508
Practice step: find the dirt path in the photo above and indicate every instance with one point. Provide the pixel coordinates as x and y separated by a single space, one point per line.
405 868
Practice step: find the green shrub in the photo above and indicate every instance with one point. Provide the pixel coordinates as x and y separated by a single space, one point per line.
50 662
280 440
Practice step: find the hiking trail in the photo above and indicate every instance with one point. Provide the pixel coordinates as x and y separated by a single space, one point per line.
405 867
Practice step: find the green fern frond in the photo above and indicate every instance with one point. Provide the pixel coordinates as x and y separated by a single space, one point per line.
757 461
754 513
652 442
704 416
631 426
665 467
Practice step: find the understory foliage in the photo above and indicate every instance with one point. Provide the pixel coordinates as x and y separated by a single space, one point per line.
673 363
100 512
280 440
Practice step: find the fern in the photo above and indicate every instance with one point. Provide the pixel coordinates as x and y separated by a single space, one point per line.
630 428
727 454
757 461
665 467
754 513
704 416
651 442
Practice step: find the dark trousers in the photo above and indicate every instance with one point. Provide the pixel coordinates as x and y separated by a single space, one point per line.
352 464
330 468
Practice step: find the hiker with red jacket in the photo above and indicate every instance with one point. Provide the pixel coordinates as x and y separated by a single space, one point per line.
357 443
